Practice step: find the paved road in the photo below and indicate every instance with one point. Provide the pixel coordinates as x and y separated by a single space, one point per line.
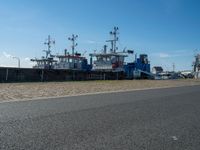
159 119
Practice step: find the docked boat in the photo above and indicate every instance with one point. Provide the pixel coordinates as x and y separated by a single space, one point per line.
66 61
111 60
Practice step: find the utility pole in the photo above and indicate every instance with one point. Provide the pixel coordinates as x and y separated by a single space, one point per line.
173 65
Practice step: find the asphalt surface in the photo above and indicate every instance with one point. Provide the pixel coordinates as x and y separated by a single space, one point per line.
159 119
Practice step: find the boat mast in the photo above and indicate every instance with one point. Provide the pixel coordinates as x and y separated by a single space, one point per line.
49 42
114 40
74 44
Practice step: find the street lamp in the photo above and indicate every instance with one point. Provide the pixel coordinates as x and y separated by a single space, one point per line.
18 61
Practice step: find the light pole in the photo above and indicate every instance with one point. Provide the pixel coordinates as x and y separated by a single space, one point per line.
173 65
18 61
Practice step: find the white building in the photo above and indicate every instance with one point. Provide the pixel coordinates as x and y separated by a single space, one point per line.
196 65
157 69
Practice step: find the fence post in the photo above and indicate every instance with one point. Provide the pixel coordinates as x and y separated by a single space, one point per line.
7 74
42 75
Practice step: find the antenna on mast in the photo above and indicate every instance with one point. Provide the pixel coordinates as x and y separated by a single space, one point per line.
113 41
49 42
74 44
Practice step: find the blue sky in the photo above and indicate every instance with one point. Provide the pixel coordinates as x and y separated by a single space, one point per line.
167 30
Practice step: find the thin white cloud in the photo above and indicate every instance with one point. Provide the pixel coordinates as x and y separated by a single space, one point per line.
92 42
175 53
7 61
27 59
7 55
164 55
161 55
27 63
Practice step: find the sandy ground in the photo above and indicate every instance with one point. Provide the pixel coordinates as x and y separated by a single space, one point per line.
21 91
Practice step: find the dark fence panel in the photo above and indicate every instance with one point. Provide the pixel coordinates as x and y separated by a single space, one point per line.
43 75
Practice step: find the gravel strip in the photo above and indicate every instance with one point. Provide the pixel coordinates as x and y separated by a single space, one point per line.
21 91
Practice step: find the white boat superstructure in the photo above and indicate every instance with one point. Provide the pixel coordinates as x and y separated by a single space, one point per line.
66 61
112 60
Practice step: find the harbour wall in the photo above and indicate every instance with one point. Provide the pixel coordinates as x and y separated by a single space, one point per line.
44 75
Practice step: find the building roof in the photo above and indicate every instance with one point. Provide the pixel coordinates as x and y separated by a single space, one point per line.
158 68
